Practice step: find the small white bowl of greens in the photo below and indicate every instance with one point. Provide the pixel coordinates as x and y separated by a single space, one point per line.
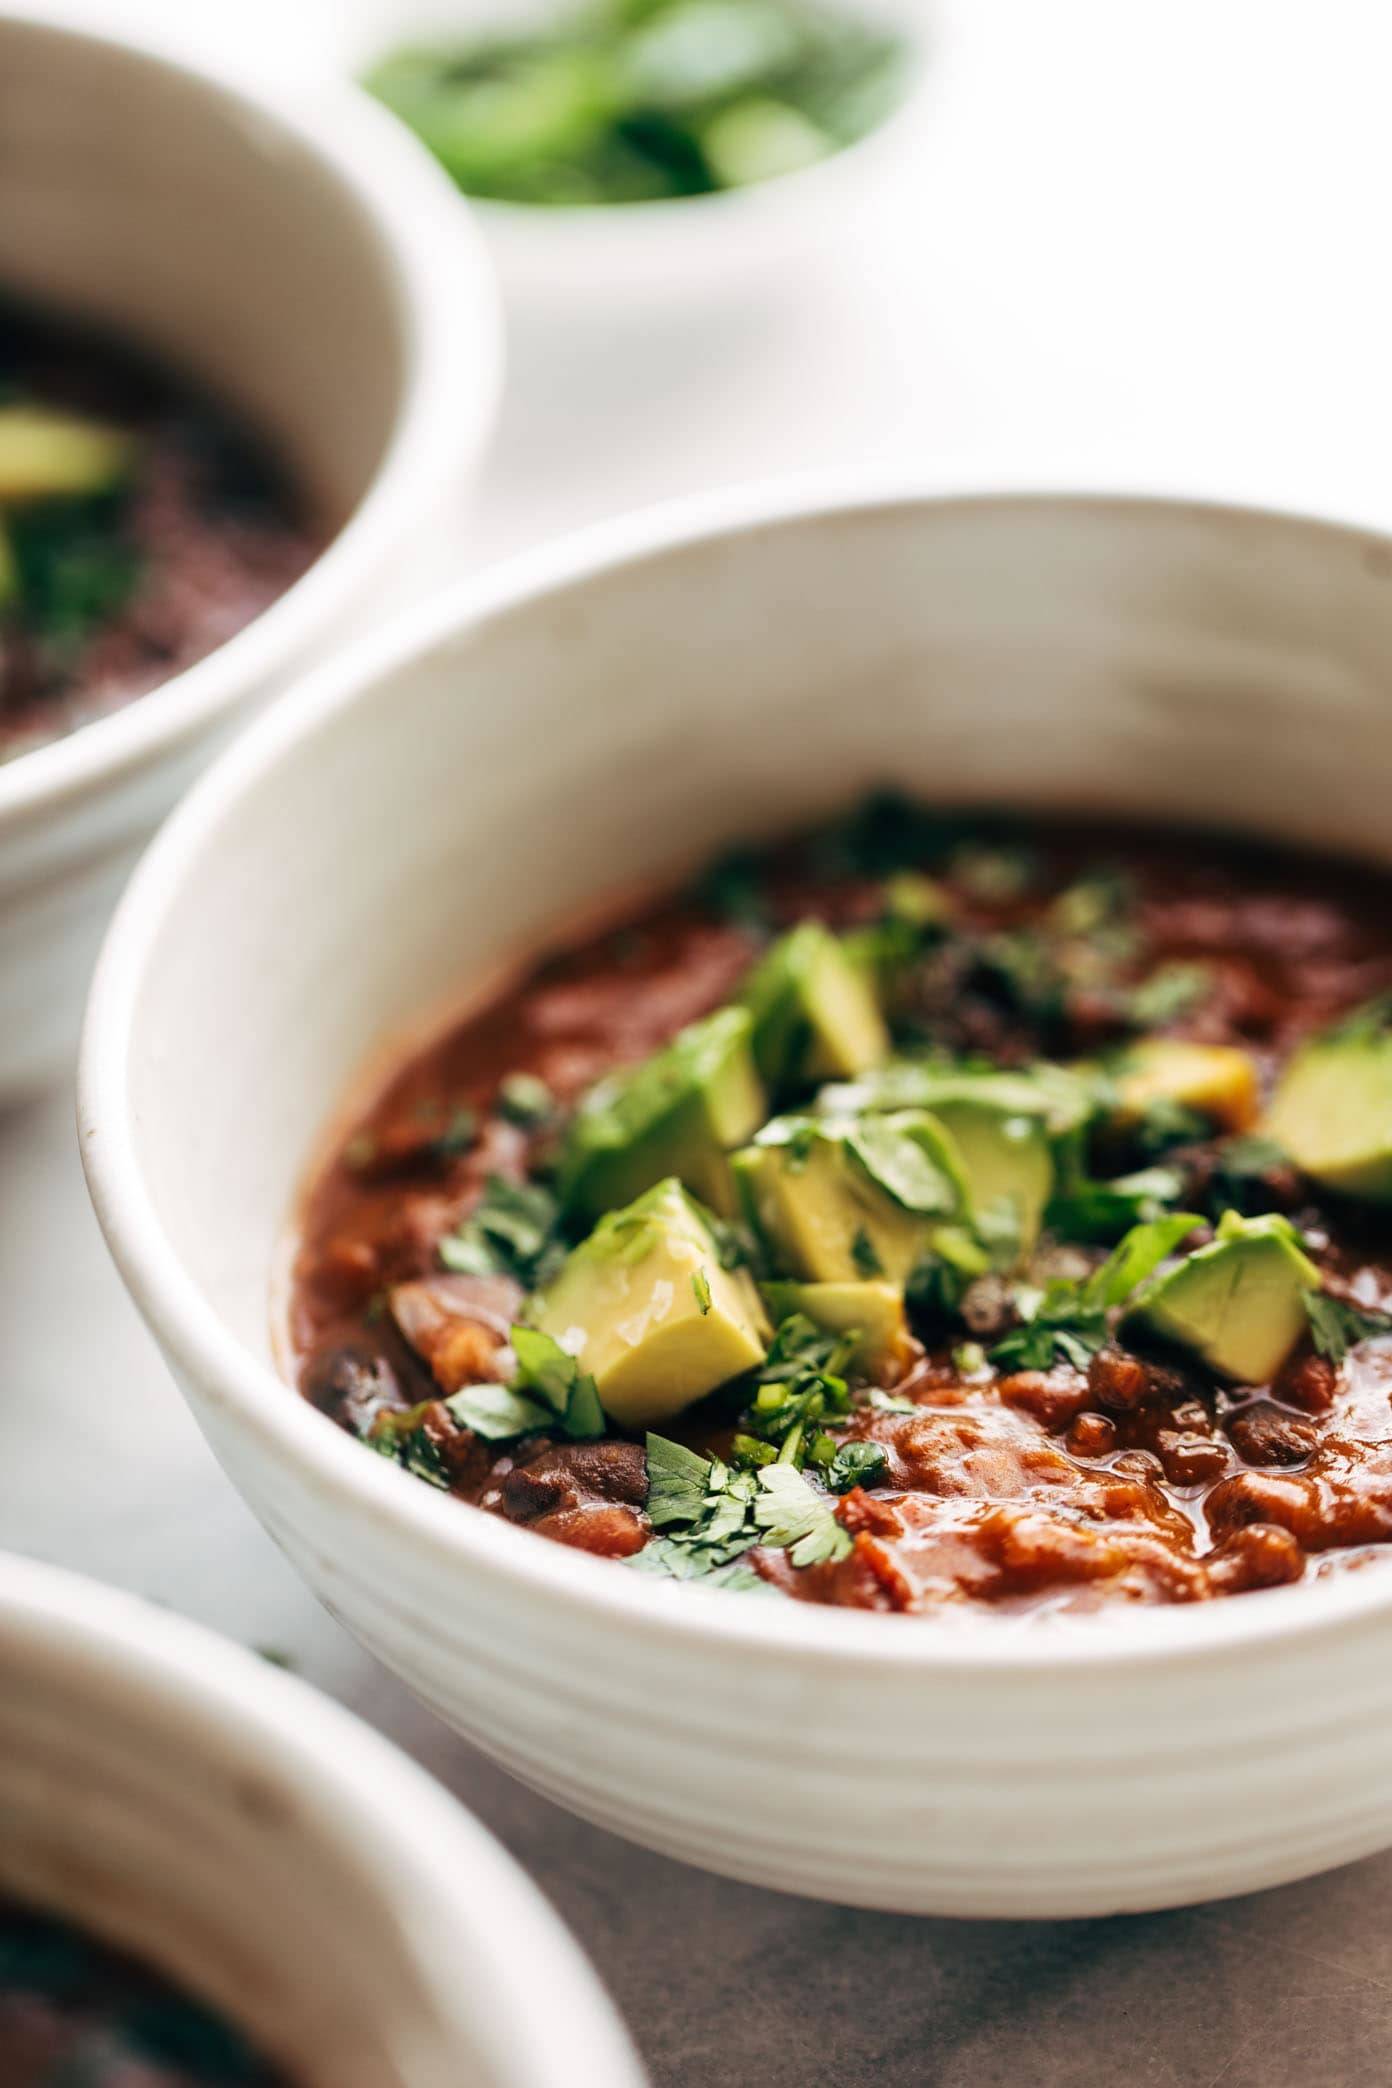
655 147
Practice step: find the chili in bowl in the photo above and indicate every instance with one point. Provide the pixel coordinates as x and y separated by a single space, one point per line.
912 1266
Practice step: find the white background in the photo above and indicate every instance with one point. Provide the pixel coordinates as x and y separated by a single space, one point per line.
1145 243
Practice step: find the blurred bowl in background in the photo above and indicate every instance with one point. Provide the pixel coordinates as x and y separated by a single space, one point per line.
614 265
592 722
177 1798
312 267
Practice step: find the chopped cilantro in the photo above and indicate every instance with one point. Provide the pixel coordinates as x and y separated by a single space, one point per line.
733 888
1241 1179
1165 1124
510 1232
1336 1326
791 1513
402 1436
497 1413
855 1464
800 1384
1103 1211
969 1359
546 1371
526 1100
1069 1322
863 1254
1171 991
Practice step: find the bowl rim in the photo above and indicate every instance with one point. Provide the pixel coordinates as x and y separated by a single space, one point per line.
416 214
1127 1638
384 1811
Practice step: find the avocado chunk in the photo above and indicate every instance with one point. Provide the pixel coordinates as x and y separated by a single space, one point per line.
49 455
1009 1166
815 1012
1238 1304
838 1201
1217 1081
645 1307
873 1311
678 1113
1332 1109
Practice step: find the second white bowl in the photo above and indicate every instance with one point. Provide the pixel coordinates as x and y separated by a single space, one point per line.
311 265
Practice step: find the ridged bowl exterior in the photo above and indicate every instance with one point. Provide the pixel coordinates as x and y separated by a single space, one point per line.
597 719
175 1796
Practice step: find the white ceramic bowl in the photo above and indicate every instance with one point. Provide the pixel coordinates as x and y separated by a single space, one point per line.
313 266
175 1796
600 716
614 266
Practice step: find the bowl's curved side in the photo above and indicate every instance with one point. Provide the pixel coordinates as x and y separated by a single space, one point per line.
174 1795
380 382
607 713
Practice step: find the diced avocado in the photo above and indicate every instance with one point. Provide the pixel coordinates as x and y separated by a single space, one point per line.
1239 1304
873 1311
1009 1166
838 1201
678 1113
1332 1109
48 455
646 1308
1217 1081
815 1012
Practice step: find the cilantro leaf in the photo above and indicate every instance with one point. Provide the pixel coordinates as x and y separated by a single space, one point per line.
526 1100
546 1370
496 1412
791 1513
856 1464
510 1232
1172 990
1101 1211
1336 1326
401 1435
678 1479
1070 1322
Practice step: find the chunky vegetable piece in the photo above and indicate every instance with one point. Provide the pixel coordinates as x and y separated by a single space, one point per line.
1013 1307
678 1113
836 1201
646 1308
815 1013
1215 1081
1332 1109
1239 1304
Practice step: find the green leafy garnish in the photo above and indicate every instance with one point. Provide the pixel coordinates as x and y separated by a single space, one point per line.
510 1232
801 1383
1336 1326
497 1412
863 1254
1102 1211
402 1436
701 1291
1070 1321
1172 990
526 1100
791 1513
553 1377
